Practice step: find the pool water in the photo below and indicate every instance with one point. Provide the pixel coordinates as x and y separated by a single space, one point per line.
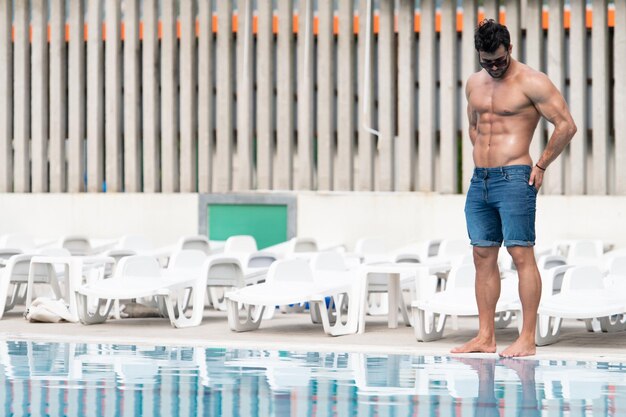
61 379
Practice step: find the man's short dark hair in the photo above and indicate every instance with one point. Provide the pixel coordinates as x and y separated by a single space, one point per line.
489 35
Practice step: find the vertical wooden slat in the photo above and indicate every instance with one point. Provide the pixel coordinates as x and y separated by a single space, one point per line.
366 141
448 167
427 85
619 63
21 94
6 99
245 96
95 99
206 121
151 99
491 9
344 178
132 98
76 100
534 58
577 166
224 149
265 96
600 97
325 96
306 119
39 97
283 178
553 180
406 97
386 97
188 108
58 98
514 25
113 98
469 65
169 99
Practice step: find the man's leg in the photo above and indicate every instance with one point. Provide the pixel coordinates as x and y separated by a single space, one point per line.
487 294
530 294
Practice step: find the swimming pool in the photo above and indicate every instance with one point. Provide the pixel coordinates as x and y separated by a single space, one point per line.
58 379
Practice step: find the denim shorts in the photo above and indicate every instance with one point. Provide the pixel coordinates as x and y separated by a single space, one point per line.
500 207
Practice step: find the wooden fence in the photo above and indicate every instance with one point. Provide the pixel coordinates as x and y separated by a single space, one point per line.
219 96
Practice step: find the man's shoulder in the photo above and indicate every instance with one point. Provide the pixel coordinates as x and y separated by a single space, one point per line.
527 74
474 78
535 84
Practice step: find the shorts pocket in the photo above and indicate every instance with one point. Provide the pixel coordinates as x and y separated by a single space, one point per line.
516 176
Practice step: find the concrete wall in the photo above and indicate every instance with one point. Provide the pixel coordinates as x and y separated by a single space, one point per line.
332 217
402 218
162 218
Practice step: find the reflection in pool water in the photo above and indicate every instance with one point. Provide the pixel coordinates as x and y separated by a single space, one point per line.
123 380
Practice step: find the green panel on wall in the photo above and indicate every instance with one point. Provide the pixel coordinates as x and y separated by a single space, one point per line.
266 222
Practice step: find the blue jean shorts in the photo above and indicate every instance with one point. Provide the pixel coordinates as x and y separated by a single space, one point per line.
500 207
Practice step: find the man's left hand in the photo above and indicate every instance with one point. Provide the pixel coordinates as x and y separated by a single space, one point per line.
536 177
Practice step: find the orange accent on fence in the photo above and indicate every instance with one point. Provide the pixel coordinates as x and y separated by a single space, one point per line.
376 24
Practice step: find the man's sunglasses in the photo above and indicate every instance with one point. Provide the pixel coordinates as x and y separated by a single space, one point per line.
498 63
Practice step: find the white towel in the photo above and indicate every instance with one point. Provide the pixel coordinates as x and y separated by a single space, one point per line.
47 310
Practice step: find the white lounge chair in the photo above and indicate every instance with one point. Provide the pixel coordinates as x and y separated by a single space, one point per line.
197 242
129 245
14 281
455 251
458 299
240 243
77 245
224 273
17 286
245 248
583 296
615 262
552 270
140 276
303 244
292 281
372 250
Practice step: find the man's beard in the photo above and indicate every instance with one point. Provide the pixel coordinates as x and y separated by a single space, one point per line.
499 73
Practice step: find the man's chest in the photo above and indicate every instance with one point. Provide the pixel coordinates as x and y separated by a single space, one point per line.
500 101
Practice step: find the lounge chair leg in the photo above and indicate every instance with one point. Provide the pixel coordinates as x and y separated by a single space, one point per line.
176 304
612 324
103 308
428 326
336 321
548 330
13 298
378 304
295 308
251 320
503 319
216 295
593 325
316 314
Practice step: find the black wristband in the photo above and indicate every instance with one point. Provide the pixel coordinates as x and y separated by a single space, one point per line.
541 168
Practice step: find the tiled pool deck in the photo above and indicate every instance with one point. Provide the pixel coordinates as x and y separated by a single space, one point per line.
296 332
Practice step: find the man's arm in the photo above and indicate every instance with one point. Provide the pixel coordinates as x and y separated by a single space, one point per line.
471 114
551 105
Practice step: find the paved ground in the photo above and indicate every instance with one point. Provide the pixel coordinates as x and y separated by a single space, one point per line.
296 332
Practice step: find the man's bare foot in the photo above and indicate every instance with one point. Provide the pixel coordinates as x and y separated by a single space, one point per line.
521 347
477 344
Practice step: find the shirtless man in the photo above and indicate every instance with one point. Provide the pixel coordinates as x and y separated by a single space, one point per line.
505 102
